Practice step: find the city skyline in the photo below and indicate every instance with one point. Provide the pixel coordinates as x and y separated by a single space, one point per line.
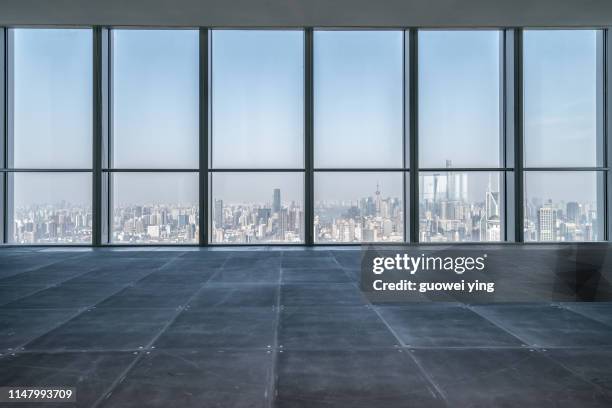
374 218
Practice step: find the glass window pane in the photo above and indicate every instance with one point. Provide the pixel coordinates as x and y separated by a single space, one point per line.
554 212
50 208
52 99
155 99
155 208
459 98
257 99
560 98
358 99
460 206
255 208
358 207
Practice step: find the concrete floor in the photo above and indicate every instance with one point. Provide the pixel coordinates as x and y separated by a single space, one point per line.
283 328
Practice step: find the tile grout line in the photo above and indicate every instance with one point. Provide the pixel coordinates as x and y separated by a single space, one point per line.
44 266
573 372
273 381
526 344
425 375
146 349
584 315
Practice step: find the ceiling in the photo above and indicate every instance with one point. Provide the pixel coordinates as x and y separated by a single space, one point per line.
317 13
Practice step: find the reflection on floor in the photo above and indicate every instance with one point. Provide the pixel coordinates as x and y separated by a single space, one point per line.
286 328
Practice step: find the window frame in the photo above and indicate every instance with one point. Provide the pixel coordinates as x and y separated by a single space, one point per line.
513 169
7 121
601 169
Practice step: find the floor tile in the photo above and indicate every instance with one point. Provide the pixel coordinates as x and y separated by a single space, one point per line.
246 274
178 277
310 294
236 295
18 327
311 275
444 325
106 329
11 293
226 328
310 262
602 312
548 326
506 378
332 328
593 365
196 379
151 295
66 296
90 373
385 378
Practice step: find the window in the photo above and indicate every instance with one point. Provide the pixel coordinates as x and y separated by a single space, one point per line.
50 208
254 208
155 208
460 206
358 125
257 99
155 126
563 141
459 116
49 128
257 114
358 207
358 99
554 212
459 99
316 145
560 97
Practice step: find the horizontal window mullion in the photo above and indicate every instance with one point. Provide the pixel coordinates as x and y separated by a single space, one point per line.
566 168
46 170
150 170
464 169
363 169
272 170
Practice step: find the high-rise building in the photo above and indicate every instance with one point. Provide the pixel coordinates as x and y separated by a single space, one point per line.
573 212
546 223
218 213
276 203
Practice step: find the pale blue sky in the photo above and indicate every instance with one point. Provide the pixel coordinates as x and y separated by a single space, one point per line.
257 95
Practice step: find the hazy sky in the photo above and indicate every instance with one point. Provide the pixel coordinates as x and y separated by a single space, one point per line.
155 98
52 73
257 99
358 97
459 91
257 115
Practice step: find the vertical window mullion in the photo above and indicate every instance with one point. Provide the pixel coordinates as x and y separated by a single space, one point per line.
8 134
413 78
607 127
97 136
3 149
204 137
517 77
308 138
406 134
509 145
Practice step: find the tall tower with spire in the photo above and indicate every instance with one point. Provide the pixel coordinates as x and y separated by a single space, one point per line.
377 199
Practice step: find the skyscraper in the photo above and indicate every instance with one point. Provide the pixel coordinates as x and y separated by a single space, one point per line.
218 213
276 203
546 223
